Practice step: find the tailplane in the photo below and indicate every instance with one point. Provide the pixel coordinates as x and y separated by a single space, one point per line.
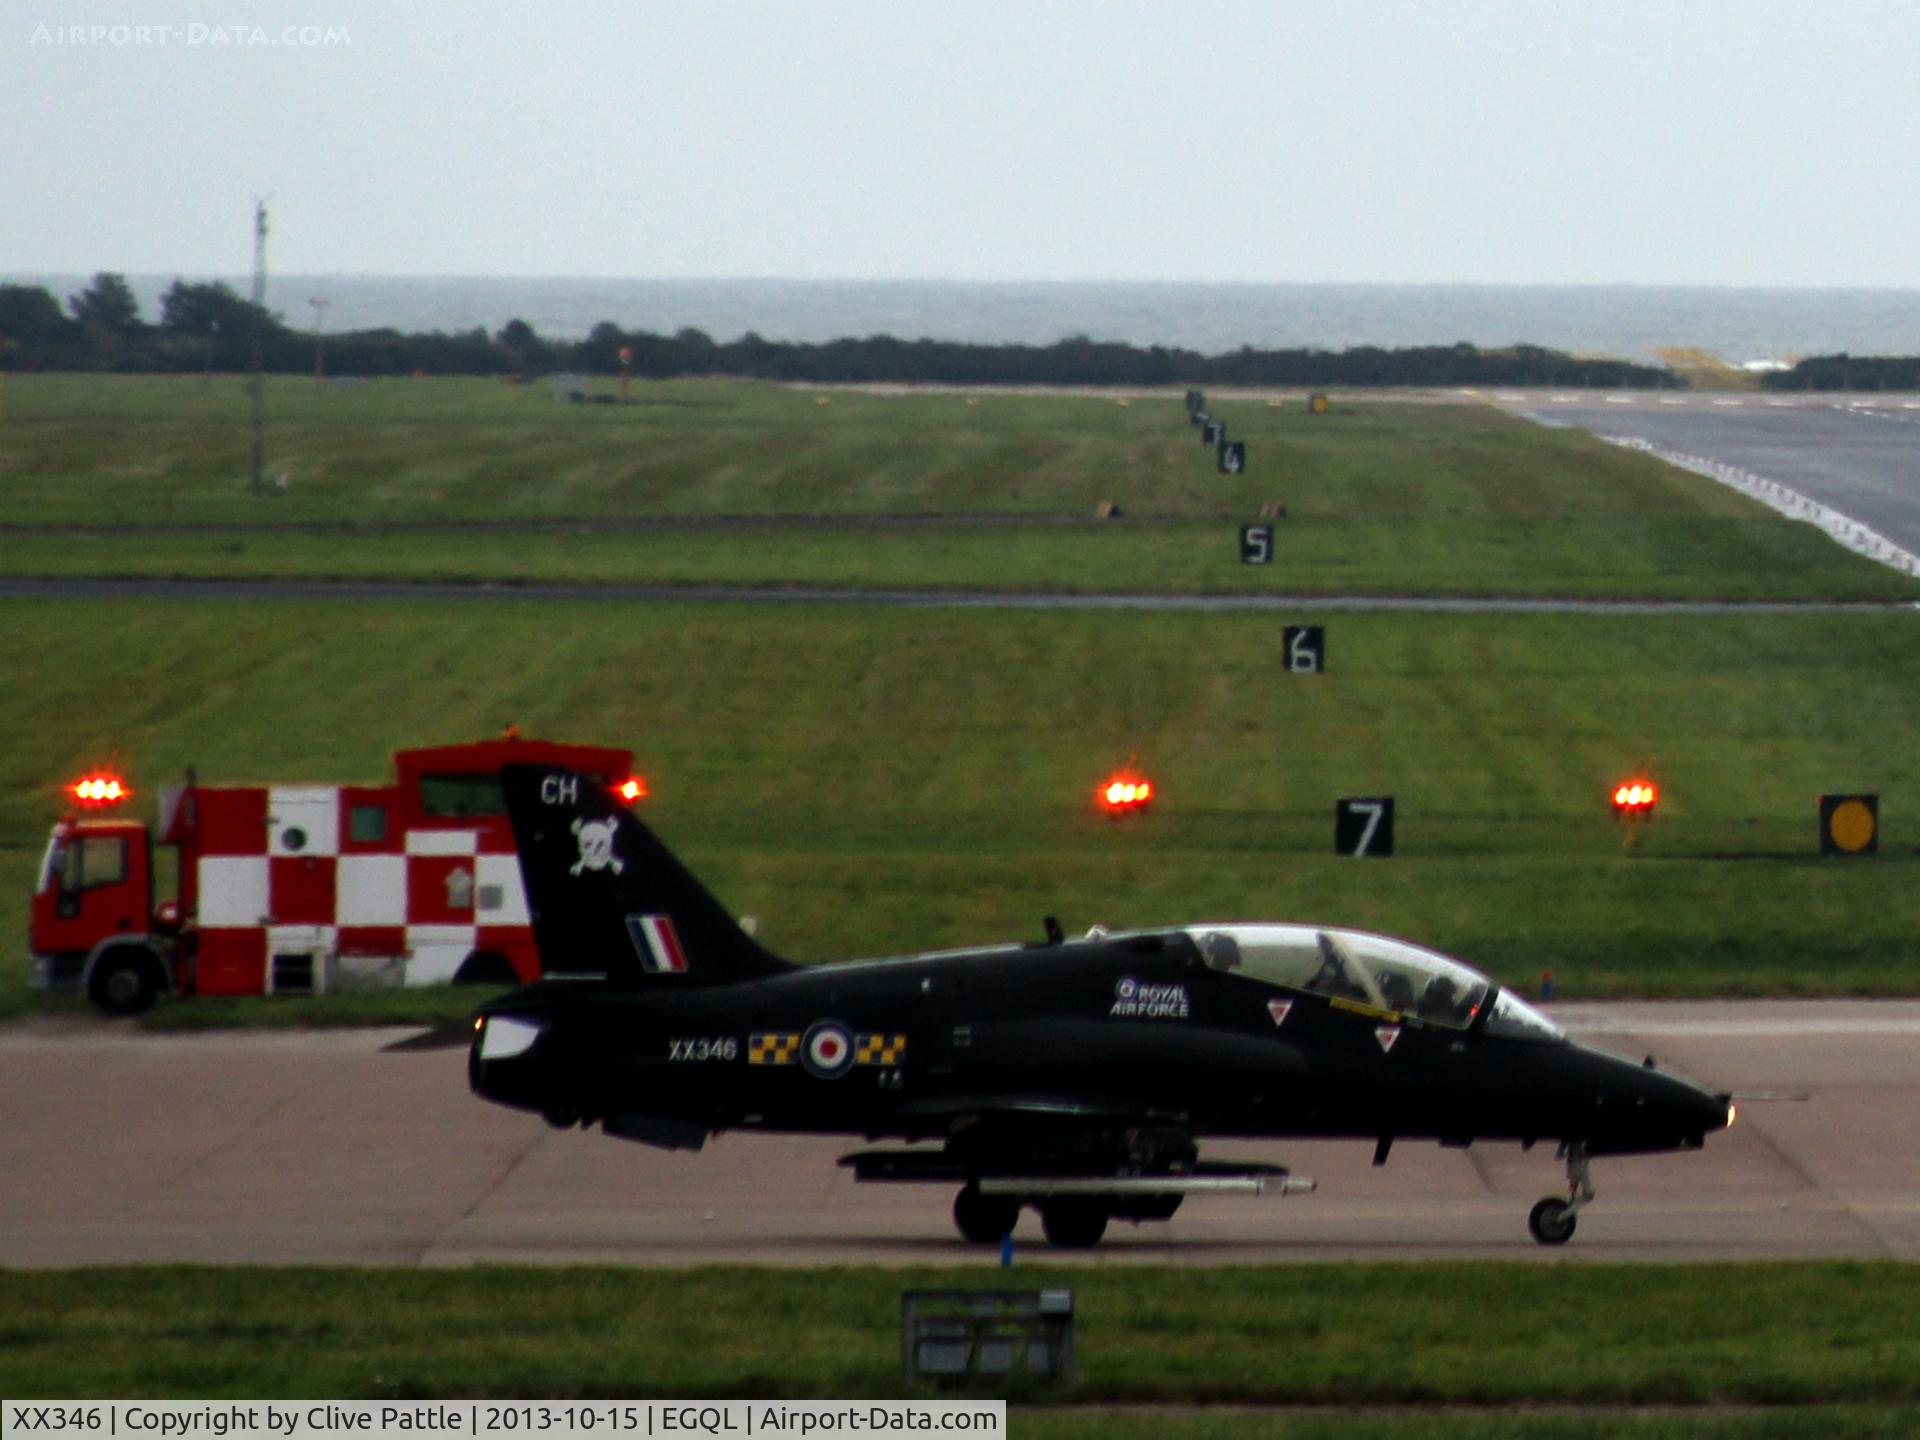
609 900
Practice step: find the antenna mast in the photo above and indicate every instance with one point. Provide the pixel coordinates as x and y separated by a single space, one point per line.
256 387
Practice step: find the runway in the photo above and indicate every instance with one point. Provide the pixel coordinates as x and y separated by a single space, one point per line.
335 1147
104 588
1858 454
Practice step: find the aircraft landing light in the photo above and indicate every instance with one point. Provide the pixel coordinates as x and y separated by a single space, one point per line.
506 1036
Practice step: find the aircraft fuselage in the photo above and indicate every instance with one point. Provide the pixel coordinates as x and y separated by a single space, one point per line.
1138 1026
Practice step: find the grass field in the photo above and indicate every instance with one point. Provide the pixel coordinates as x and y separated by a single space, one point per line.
1338 1335
1381 497
1817 1422
1747 559
868 781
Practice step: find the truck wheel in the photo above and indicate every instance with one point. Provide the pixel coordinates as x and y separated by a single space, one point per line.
486 967
124 982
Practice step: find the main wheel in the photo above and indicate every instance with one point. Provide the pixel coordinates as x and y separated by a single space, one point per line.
1552 1221
124 981
985 1219
1074 1224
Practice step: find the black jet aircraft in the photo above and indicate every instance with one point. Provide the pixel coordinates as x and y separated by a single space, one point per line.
1076 1076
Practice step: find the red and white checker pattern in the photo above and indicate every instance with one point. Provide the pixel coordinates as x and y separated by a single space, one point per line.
278 873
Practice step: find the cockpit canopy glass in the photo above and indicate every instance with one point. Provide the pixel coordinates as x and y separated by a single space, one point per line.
1513 1016
1371 970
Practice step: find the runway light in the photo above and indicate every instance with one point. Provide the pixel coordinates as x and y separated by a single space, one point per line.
1124 794
99 790
1635 799
632 789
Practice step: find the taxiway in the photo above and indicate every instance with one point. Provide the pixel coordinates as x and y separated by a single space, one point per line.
360 1147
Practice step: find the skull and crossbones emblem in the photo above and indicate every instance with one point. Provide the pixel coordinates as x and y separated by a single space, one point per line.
596 847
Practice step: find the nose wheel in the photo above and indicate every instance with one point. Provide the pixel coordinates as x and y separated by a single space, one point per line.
1552 1220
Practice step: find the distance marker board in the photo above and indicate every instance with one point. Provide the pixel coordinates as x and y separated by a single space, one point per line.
1849 824
1363 825
1305 649
1256 544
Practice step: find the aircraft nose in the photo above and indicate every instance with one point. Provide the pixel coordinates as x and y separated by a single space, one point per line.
1703 1109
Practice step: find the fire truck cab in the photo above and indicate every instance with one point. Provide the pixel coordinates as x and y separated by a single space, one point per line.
302 889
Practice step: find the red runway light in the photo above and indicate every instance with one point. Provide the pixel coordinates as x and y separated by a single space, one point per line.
1124 794
1635 799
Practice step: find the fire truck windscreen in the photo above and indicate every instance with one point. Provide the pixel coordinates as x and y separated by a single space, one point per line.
84 862
455 797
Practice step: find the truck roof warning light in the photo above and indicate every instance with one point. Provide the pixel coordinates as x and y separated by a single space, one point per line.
99 790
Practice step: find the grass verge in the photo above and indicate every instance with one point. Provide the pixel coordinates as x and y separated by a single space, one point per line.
1343 1335
870 781
1381 498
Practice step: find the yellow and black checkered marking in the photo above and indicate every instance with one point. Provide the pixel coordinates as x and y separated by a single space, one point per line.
879 1049
773 1047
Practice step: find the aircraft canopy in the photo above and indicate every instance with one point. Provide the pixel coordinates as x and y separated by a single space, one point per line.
1372 970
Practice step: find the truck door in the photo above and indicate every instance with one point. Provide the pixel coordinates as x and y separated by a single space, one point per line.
303 848
97 885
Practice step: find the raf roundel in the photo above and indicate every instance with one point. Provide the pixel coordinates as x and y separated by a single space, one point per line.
827 1050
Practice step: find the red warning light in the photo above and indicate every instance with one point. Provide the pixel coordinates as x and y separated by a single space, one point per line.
1124 794
632 789
99 790
1635 799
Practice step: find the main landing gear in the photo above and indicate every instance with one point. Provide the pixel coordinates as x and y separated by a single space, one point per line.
1079 1201
984 1219
1552 1220
1072 1222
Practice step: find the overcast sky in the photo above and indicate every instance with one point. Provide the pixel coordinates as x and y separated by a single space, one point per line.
1678 142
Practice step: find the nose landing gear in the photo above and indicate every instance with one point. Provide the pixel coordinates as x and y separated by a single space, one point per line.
1552 1220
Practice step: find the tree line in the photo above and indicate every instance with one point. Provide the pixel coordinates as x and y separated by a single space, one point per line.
207 327
1848 372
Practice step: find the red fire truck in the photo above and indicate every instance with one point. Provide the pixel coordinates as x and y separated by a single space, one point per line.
300 888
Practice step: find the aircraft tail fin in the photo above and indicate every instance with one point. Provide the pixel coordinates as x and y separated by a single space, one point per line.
608 899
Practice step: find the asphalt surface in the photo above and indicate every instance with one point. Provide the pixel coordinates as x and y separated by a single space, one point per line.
105 588
333 1147
1857 454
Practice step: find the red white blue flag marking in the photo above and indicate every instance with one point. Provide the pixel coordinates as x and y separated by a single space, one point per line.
659 947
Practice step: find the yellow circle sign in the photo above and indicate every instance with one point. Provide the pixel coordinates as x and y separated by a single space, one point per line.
1851 826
